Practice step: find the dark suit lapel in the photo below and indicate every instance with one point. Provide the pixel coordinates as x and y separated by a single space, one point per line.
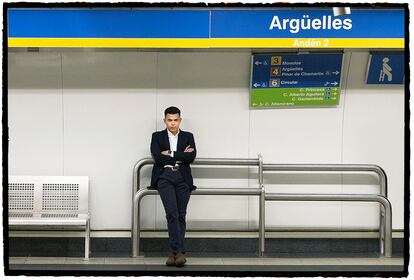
166 140
180 142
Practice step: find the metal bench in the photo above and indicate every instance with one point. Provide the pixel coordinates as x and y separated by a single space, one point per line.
49 202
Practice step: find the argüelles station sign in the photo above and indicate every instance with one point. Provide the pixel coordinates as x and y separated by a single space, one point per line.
206 28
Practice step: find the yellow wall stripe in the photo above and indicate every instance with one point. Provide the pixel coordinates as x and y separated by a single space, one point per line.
308 43
208 43
107 43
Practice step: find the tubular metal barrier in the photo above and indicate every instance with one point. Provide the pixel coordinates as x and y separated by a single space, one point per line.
346 197
199 161
262 210
335 168
210 191
382 177
137 195
385 228
136 180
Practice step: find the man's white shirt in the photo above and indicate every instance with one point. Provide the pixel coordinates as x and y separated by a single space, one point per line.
173 142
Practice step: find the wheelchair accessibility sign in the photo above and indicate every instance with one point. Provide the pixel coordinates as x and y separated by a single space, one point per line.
386 68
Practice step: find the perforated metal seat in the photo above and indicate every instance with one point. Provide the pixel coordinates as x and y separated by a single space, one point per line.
50 202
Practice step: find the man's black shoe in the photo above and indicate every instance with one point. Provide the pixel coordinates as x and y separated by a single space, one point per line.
170 261
180 260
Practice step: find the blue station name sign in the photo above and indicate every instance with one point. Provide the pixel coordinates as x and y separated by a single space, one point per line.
206 28
294 23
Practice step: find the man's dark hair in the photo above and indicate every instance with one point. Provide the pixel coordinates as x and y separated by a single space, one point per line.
172 110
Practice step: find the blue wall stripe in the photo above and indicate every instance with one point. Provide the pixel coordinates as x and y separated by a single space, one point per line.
80 23
173 23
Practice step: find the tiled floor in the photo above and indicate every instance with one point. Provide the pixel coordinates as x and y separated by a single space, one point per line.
213 261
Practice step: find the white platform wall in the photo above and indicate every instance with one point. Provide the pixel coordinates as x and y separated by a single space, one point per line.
92 113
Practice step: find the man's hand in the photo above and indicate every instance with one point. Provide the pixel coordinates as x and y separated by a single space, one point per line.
188 149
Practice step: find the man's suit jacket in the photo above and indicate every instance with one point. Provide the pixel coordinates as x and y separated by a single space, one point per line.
160 142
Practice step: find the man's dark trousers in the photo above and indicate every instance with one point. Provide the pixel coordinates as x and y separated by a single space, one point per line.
175 194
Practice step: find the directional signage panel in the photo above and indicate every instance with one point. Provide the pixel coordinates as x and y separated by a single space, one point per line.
295 80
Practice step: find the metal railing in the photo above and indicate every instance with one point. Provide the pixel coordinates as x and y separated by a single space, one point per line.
382 177
347 197
138 193
222 191
385 211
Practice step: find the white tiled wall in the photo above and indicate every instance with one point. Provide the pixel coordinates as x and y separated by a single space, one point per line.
92 113
35 108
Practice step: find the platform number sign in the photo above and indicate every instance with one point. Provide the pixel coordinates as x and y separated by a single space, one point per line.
275 71
276 60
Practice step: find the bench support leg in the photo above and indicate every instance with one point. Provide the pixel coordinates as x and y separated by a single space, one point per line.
87 238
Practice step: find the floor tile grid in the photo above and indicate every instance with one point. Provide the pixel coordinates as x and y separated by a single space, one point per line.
212 261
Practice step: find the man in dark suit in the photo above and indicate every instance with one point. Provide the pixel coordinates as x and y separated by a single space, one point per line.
173 150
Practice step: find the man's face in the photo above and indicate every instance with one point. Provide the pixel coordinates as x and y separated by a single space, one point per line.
172 121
